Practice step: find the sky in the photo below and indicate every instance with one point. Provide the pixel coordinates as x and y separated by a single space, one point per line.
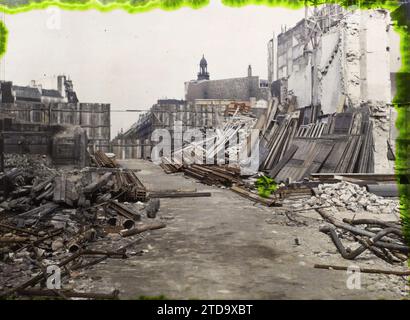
132 60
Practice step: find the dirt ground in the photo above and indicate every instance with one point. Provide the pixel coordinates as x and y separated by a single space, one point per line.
226 247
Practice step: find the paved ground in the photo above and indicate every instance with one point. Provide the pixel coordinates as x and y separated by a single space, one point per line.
224 247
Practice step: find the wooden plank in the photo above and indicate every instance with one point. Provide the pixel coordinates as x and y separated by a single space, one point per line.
322 152
295 167
334 157
178 194
289 154
353 160
342 123
347 154
252 196
360 176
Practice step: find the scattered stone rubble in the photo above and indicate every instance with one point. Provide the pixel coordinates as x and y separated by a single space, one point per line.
29 162
345 195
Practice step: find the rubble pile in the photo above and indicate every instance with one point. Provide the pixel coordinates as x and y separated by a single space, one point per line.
100 159
58 217
350 196
213 147
30 162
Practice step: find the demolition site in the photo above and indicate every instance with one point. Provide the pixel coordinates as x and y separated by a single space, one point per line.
246 188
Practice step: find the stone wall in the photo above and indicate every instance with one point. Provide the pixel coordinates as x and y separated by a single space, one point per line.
67 145
131 148
201 114
236 89
93 117
24 138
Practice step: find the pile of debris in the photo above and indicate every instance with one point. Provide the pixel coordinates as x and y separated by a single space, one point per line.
215 147
170 166
32 161
238 107
213 175
352 197
101 159
58 217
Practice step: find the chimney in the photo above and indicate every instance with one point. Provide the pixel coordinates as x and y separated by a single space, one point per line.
60 85
249 71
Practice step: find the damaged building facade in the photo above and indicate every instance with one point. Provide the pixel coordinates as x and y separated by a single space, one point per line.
206 105
34 104
279 166
135 143
65 145
326 106
53 122
336 60
239 89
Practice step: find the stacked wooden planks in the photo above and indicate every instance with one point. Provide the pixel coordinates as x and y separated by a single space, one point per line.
213 175
344 146
102 160
131 188
276 140
169 166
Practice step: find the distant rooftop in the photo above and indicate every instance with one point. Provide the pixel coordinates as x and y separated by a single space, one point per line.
51 93
27 92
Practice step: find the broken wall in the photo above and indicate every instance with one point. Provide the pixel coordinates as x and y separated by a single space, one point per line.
329 91
375 61
290 53
136 142
93 117
354 66
364 57
352 62
27 138
67 145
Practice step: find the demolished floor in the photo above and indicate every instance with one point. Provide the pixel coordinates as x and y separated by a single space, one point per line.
227 247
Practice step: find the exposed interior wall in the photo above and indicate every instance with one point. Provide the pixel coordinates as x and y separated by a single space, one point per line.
394 50
354 65
329 91
376 70
353 62
300 85
384 134
351 55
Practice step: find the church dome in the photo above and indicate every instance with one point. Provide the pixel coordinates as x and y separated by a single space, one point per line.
203 62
